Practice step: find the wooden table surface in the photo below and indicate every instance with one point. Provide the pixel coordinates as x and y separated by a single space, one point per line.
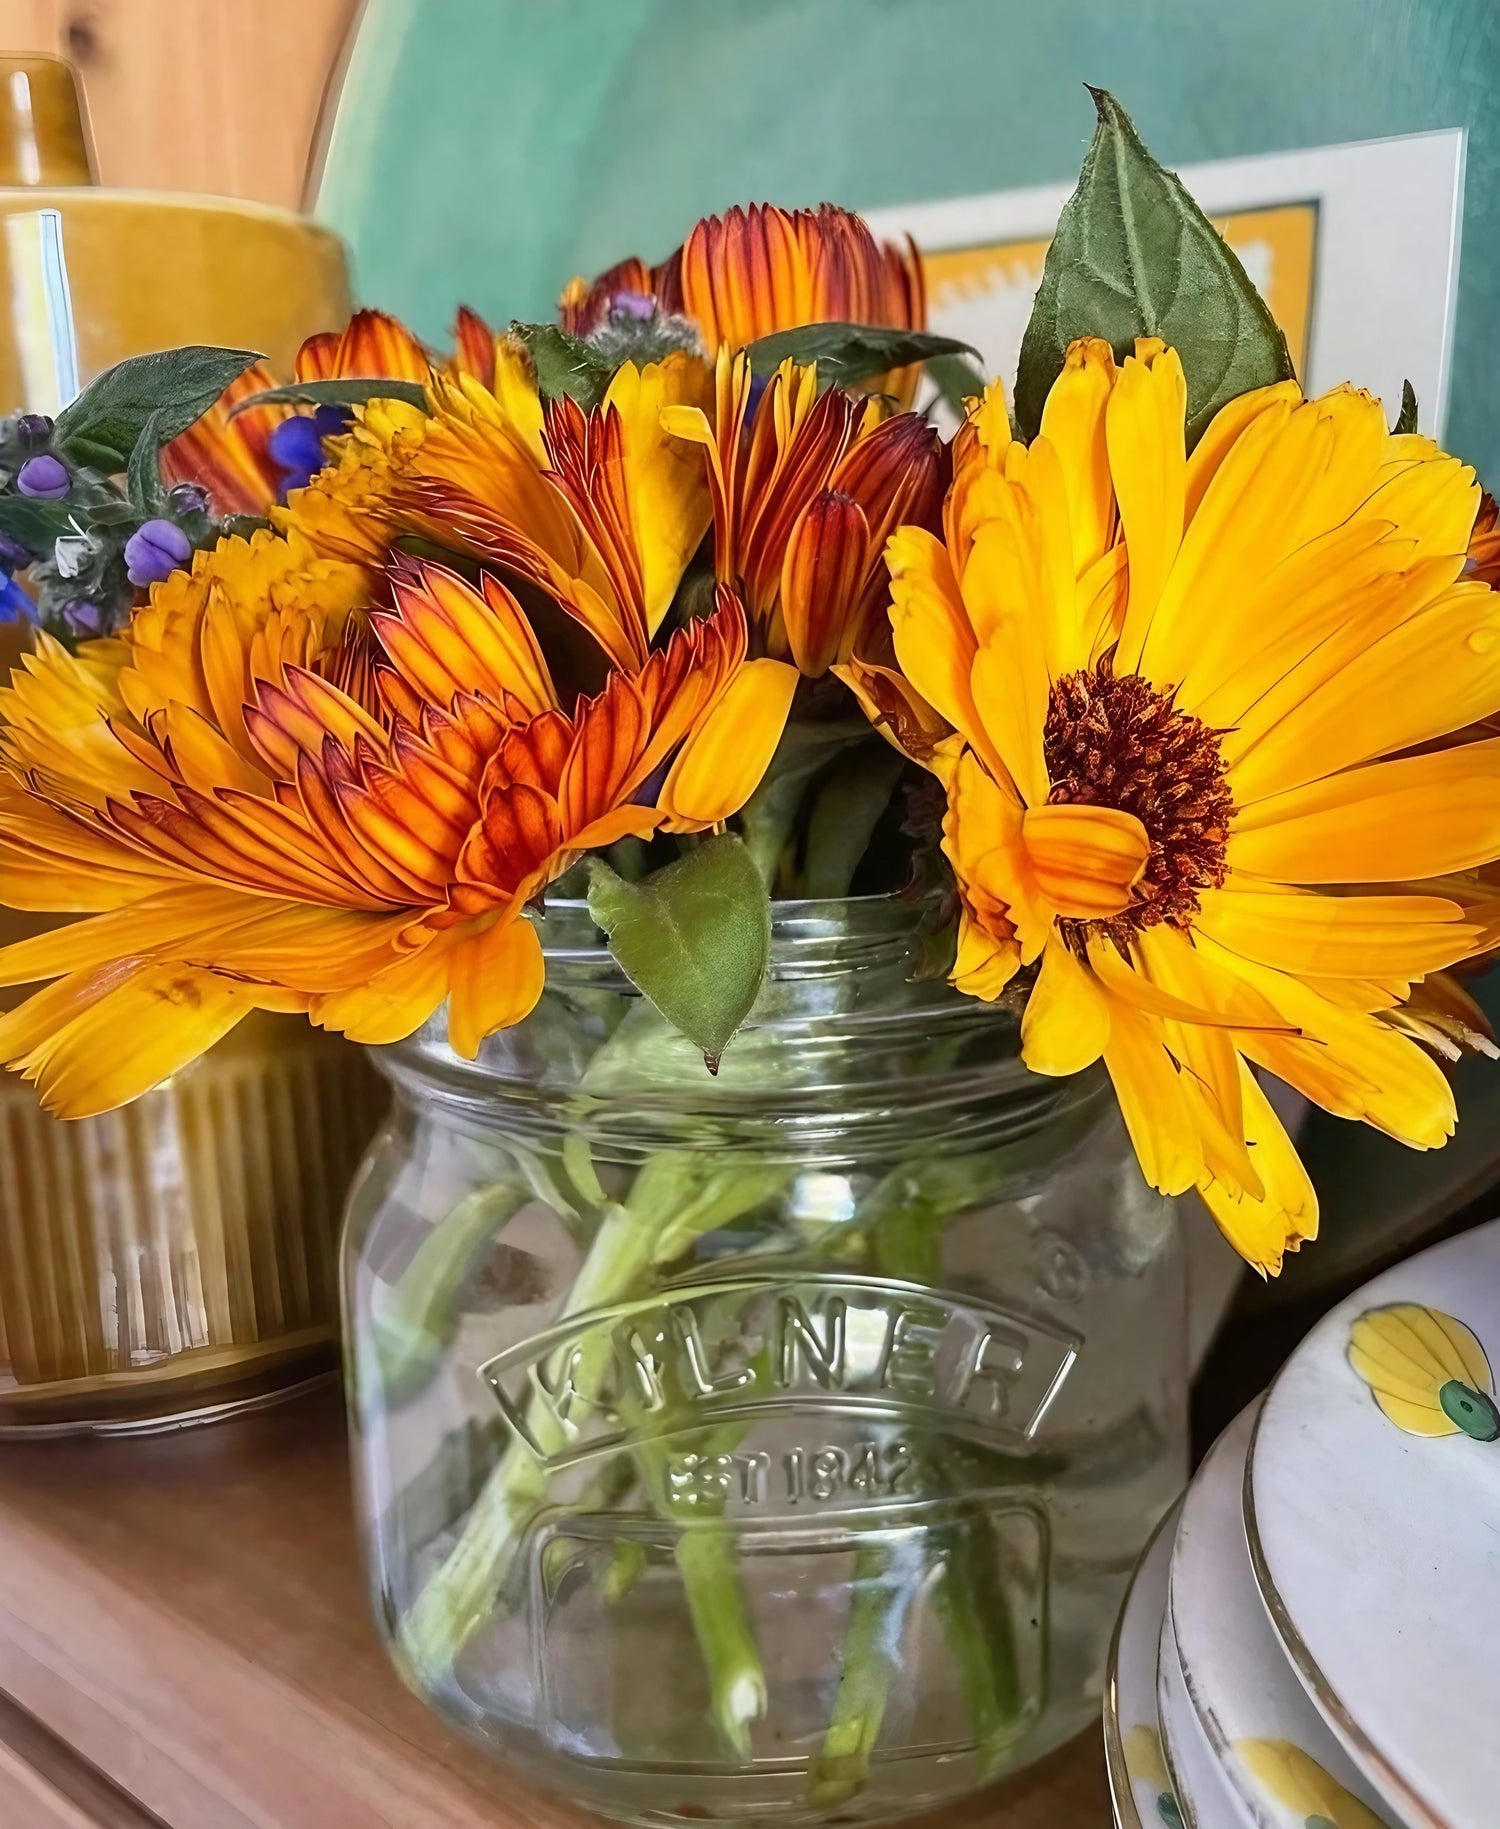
185 1640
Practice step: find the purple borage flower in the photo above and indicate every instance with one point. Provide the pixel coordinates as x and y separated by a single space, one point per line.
155 550
44 477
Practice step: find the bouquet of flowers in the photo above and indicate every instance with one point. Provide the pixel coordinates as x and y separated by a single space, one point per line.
1161 690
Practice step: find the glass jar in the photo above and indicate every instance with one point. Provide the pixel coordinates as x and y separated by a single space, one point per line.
773 1445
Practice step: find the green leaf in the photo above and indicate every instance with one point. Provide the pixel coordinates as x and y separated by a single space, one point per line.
342 390
956 379
102 425
1406 419
36 524
694 937
847 354
565 364
1134 256
143 473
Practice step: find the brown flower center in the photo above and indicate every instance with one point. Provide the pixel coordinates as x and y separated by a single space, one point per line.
1120 743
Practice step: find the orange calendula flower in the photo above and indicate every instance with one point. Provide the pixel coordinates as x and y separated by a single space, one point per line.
268 797
806 489
1184 692
752 272
242 459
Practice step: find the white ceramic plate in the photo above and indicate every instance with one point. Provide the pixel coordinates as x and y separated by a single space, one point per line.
1139 1787
1269 1740
1373 1514
1204 1798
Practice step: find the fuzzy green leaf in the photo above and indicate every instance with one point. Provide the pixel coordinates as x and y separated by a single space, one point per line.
1406 419
342 390
36 524
1134 256
177 386
694 937
565 364
847 354
143 473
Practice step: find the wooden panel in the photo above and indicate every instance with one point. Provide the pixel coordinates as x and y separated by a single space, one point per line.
201 95
44 1785
188 1614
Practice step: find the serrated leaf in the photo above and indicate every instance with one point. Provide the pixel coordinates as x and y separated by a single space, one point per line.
565 364
342 390
36 524
956 379
1134 256
847 354
1406 419
101 426
143 473
694 937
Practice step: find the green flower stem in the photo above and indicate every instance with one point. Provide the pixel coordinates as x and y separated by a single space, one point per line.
674 1199
415 1325
710 1570
887 1577
982 1639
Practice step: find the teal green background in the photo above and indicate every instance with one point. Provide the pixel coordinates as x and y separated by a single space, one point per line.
485 150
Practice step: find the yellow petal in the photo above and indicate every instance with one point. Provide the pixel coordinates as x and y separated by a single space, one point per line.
394 1004
1086 860
1263 1229
930 626
1435 673
1419 816
1357 936
721 764
1147 458
147 1026
1149 1089
1009 690
1066 1022
982 840
494 980
985 962
1223 431
1351 1062
1073 424
667 483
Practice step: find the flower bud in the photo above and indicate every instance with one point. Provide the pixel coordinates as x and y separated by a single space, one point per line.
34 430
155 550
188 498
44 477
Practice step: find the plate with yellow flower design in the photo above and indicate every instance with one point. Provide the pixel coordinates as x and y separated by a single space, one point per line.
1140 1789
1204 1797
1372 1510
1280 1759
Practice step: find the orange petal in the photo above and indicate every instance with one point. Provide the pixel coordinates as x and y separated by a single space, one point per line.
821 578
494 980
1087 860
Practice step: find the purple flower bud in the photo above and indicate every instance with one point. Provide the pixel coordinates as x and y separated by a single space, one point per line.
188 498
295 444
14 557
155 550
84 618
45 477
635 307
34 431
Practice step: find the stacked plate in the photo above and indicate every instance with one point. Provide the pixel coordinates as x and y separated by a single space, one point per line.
1312 1639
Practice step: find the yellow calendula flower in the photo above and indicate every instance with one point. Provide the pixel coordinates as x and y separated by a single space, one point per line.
1192 777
